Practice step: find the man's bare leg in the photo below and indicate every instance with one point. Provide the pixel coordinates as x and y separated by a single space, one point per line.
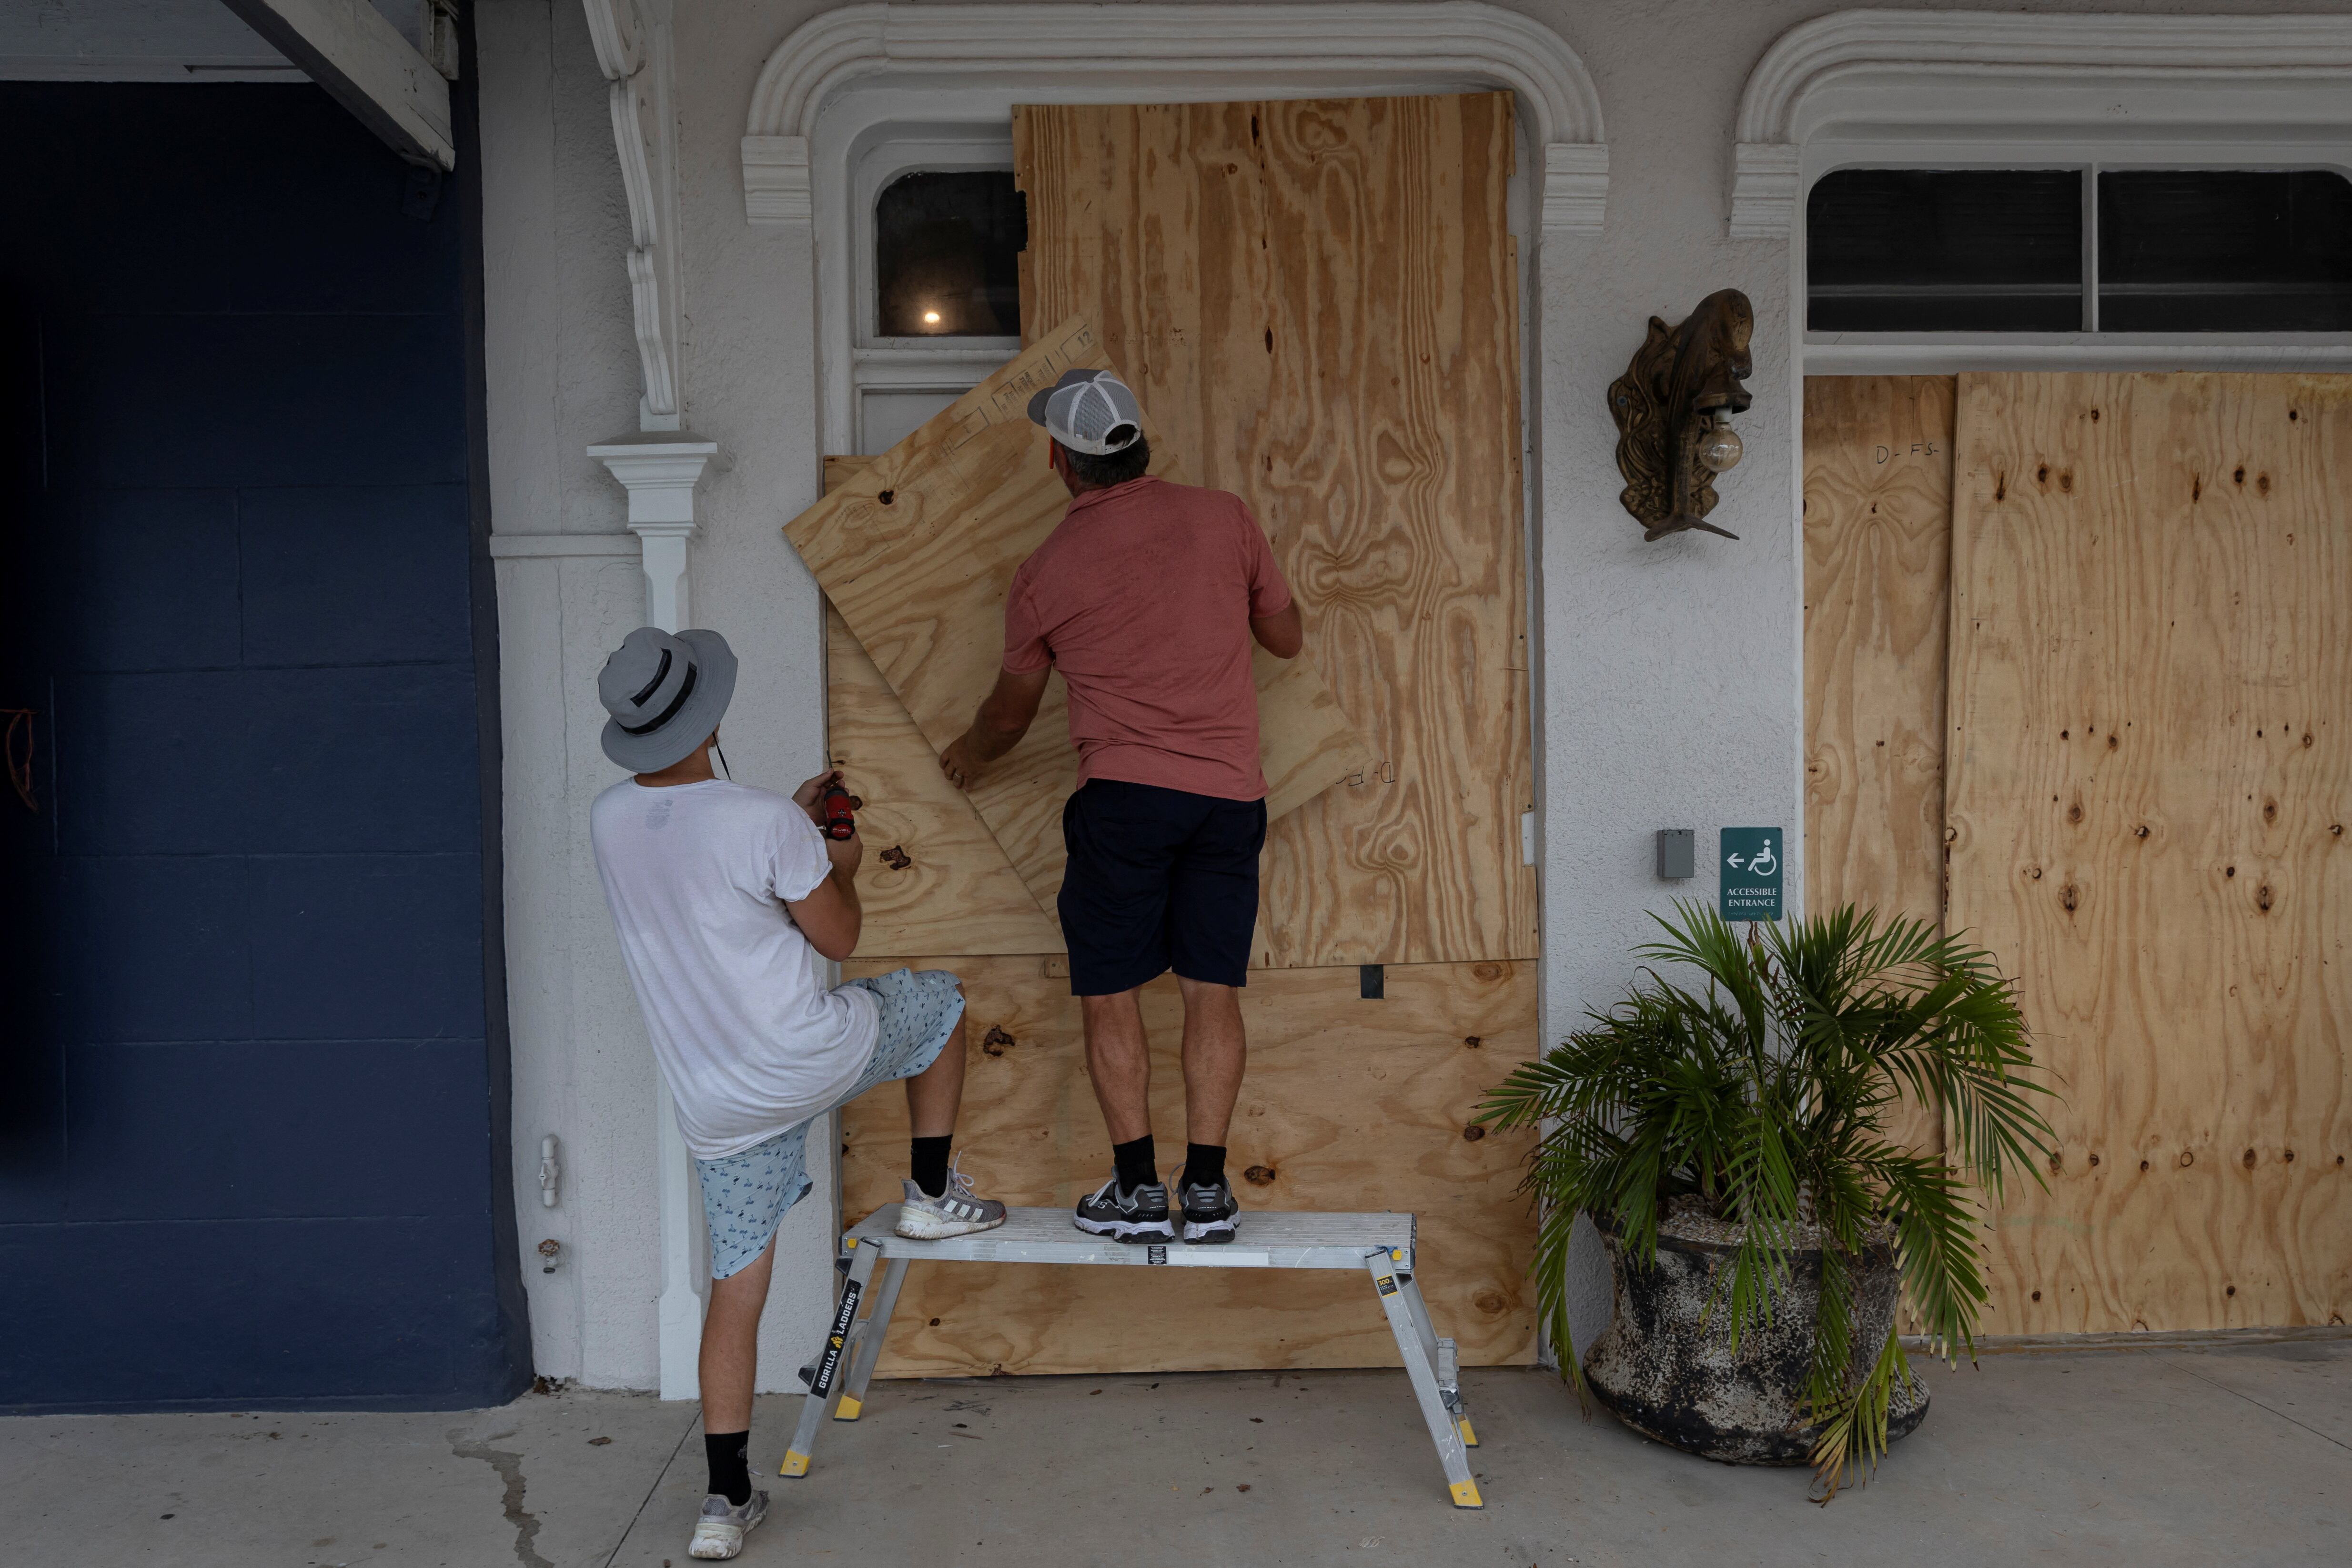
939 1202
1215 1051
934 1094
1118 1061
730 1344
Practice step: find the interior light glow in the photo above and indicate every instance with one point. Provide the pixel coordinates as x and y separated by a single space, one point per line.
930 318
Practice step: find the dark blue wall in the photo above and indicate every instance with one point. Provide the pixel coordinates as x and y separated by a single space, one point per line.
253 1146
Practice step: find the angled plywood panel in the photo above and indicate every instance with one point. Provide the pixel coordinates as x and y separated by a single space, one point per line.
1348 1104
917 552
1316 303
2148 786
934 875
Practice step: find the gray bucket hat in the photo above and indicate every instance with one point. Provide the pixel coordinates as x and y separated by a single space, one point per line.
665 695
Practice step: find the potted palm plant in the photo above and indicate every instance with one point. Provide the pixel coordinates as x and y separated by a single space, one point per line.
1730 1137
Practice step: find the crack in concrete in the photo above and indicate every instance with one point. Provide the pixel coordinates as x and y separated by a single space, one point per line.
510 1468
2257 1404
693 1421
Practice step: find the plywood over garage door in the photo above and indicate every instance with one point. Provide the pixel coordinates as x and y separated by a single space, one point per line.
1348 1104
2148 785
1315 303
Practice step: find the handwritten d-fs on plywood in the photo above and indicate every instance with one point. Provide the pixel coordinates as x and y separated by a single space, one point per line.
918 552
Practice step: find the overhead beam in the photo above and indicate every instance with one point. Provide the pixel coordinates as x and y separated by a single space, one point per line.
347 47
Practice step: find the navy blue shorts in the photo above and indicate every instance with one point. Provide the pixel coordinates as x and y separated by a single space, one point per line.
1159 880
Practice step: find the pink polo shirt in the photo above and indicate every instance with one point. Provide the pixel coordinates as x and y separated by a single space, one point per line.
1142 598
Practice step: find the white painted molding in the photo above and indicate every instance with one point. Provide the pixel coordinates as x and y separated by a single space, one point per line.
633 51
1946 353
2100 76
1575 186
683 1266
549 546
618 34
1179 53
1764 182
348 49
661 474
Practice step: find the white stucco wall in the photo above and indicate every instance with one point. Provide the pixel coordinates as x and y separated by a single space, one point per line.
1670 681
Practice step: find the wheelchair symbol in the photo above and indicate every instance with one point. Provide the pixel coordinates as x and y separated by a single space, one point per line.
1763 863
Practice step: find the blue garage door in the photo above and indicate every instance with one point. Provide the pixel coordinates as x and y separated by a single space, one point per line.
253 1147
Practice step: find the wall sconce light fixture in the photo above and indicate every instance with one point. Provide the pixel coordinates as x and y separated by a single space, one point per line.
1674 406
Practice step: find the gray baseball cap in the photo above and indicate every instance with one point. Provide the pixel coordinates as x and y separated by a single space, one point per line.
1089 411
665 694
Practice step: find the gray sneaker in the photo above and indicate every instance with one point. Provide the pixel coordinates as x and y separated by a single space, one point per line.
959 1211
719 1532
1128 1215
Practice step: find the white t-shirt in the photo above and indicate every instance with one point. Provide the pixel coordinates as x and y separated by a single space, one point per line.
750 1037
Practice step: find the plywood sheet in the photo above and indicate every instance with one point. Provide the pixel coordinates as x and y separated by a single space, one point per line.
1316 301
2149 782
917 550
1878 548
1878 539
1348 1104
934 875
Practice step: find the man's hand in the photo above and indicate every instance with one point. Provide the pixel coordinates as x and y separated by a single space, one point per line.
1003 718
810 796
962 767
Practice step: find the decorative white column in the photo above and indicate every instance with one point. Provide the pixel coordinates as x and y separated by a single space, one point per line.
660 471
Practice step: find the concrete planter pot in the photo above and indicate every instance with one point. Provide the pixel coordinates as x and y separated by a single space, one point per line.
1666 1368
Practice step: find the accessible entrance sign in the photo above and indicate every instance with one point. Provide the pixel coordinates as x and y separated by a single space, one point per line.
1749 872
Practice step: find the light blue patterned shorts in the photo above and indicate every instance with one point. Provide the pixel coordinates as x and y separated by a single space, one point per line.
744 1194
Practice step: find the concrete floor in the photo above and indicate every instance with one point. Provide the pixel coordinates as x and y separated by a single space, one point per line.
2241 1455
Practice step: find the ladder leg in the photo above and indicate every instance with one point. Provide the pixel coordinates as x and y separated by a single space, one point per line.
867 1335
1442 1356
1420 1319
1404 1323
831 1362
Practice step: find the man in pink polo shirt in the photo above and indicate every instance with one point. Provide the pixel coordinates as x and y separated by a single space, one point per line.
1147 598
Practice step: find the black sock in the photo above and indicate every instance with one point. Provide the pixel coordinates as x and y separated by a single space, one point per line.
928 1163
1138 1167
1204 1164
730 1454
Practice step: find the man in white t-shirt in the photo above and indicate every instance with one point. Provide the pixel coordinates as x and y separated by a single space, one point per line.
729 901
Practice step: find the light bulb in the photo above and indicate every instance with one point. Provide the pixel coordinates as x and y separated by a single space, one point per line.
930 318
1720 448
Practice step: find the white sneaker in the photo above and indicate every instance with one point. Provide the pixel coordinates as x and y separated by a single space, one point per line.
959 1211
719 1532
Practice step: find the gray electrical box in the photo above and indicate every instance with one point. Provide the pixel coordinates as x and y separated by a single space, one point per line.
1677 854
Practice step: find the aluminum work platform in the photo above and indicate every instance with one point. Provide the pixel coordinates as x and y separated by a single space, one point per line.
1379 1245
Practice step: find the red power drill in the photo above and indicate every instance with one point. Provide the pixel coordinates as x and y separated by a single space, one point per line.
840 810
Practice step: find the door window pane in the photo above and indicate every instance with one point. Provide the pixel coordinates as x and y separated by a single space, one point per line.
1979 250
946 250
2224 250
